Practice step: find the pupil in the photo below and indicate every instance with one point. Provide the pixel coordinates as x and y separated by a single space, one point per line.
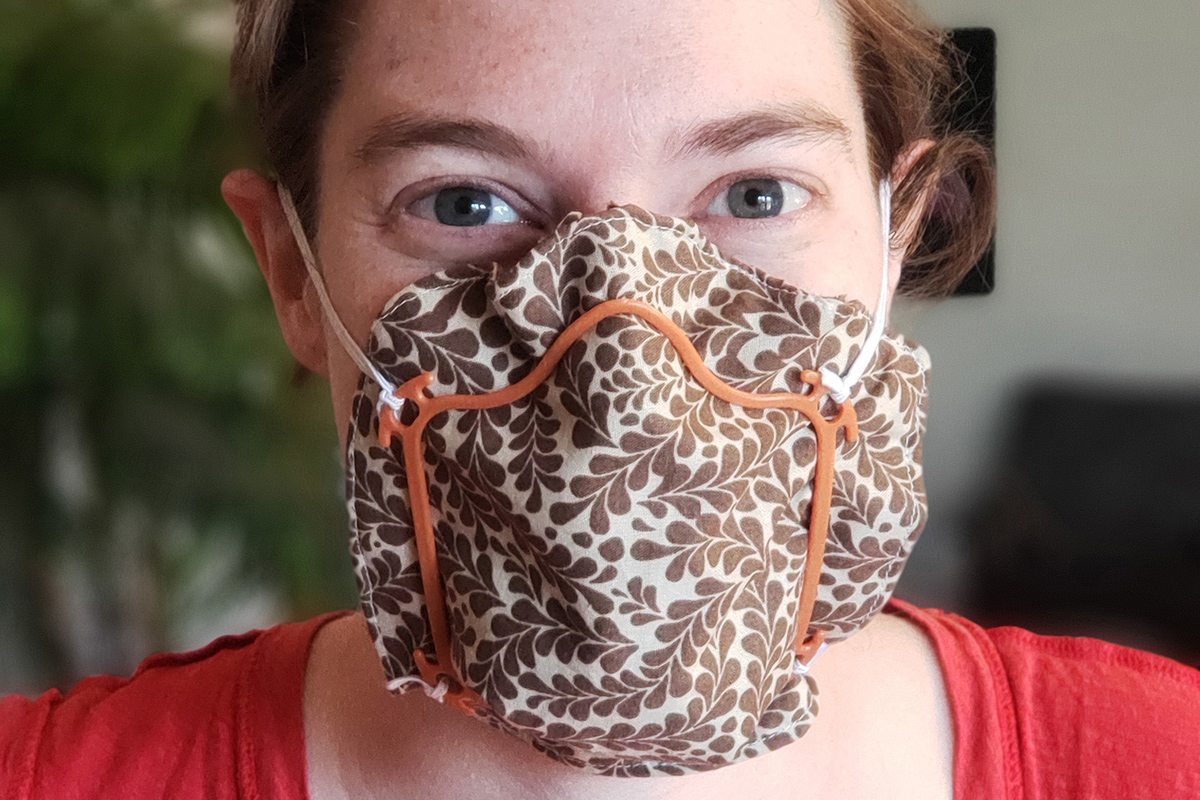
463 206
756 198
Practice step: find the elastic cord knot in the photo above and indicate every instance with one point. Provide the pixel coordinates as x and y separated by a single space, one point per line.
800 669
837 387
387 397
405 682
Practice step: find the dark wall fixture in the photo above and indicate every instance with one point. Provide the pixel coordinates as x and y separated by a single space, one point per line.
975 111
1095 528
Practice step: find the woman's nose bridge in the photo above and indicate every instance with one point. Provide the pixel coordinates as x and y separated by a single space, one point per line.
627 187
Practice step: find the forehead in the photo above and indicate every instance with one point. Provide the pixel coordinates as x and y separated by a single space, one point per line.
589 73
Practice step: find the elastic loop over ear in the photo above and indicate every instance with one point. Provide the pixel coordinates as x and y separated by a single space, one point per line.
840 386
387 393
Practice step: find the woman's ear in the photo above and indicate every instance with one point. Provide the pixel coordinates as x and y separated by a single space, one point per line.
255 201
905 231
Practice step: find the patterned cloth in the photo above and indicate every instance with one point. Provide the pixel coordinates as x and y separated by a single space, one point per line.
622 551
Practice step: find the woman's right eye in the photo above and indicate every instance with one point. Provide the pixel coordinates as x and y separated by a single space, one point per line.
464 207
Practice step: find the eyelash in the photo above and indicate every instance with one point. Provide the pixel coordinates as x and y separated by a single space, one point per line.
413 194
725 183
532 216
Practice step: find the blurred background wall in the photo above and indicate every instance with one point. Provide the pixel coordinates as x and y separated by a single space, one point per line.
1098 249
167 475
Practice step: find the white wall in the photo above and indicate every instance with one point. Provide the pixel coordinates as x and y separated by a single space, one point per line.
1098 247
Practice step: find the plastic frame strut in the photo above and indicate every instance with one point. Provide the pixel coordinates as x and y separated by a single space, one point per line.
429 406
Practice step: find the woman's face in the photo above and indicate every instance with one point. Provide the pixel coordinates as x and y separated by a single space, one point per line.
464 132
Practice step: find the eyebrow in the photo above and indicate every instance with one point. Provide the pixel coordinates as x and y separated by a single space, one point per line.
408 131
802 122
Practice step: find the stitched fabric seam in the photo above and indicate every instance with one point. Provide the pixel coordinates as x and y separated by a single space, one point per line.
1006 711
1060 646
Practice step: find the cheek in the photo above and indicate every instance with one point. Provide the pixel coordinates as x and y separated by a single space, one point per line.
841 259
360 282
361 272
848 266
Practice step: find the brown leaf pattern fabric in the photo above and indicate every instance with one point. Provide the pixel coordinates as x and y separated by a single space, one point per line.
622 551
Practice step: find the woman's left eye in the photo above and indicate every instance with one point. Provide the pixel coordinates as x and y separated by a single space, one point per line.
760 198
465 207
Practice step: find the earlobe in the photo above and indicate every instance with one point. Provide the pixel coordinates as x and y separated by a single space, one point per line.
254 200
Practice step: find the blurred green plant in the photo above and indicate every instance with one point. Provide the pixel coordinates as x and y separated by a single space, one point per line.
152 422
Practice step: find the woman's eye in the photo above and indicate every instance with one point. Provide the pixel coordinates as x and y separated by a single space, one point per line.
464 207
759 198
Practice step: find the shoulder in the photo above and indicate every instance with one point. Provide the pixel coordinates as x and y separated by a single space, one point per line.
188 715
1131 717
1065 715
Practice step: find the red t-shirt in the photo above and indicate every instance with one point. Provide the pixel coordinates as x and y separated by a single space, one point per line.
1034 717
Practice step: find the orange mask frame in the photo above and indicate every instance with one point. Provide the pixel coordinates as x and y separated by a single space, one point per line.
428 406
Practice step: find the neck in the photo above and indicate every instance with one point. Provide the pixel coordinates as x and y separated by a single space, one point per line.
364 742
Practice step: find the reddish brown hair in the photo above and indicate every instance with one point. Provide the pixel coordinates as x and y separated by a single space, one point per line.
908 87
288 62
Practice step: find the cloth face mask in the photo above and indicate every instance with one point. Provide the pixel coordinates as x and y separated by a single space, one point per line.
615 547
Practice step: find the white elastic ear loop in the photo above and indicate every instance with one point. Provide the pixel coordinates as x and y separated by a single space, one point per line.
387 394
405 682
840 385
800 669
